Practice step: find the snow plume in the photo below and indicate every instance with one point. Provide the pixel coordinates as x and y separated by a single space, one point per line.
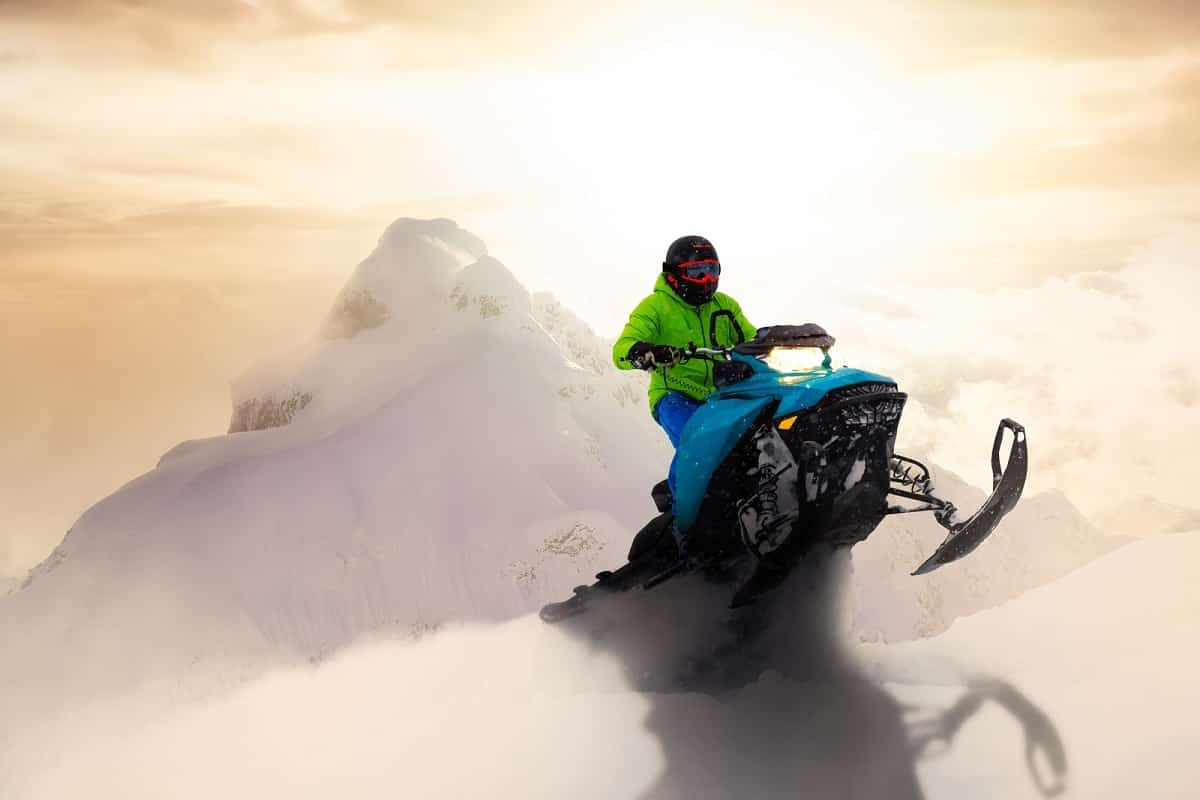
775 703
528 710
468 712
1081 676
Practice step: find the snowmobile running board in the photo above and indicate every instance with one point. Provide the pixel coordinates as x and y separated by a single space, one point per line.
911 480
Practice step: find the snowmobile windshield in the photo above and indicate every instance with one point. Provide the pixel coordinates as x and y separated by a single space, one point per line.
797 359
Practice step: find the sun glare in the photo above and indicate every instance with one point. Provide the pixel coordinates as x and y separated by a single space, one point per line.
737 131
775 124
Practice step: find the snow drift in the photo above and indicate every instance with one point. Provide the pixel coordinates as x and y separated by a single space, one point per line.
514 711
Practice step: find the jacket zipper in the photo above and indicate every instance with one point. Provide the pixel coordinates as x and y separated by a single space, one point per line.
708 364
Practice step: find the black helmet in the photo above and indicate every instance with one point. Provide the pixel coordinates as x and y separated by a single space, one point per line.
692 269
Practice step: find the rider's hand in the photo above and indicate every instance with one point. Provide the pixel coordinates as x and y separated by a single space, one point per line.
645 355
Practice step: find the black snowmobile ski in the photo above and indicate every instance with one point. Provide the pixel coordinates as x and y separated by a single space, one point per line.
1007 485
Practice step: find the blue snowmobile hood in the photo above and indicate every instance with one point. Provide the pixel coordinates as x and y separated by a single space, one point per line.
719 424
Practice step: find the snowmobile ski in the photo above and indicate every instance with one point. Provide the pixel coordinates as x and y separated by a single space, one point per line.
1007 485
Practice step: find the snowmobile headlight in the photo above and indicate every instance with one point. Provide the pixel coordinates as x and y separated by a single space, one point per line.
797 359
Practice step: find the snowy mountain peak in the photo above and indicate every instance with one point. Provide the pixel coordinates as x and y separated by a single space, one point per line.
414 263
491 289
427 294
444 458
413 249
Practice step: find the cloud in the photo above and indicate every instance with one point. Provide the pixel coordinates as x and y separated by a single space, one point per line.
169 33
185 34
105 374
1146 134
1098 367
205 217
59 224
928 34
1183 384
1102 282
141 166
941 34
873 301
1093 28
12 57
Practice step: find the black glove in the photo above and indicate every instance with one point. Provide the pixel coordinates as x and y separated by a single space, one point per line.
644 355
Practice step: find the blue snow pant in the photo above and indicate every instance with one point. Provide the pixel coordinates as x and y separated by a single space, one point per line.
672 413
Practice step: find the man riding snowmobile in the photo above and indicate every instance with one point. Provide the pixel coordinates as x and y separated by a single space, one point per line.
679 313
786 453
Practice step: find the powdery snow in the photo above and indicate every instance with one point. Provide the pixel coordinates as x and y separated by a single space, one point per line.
1109 653
1145 516
1101 663
1041 540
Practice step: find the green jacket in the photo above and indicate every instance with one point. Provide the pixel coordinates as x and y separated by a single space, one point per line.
665 318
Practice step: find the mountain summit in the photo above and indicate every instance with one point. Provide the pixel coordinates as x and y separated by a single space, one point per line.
433 454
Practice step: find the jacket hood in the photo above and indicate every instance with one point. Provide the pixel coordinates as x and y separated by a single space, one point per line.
661 285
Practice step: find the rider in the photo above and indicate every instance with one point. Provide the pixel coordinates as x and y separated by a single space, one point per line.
678 314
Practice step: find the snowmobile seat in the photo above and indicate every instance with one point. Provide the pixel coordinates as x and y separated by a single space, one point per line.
661 494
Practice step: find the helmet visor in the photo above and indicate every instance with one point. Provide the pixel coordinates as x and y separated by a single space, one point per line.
708 269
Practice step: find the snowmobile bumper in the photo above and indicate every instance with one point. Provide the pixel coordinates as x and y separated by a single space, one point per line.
1007 485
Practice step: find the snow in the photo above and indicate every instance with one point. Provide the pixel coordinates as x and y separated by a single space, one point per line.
517 710
1109 652
1145 515
465 454
1041 540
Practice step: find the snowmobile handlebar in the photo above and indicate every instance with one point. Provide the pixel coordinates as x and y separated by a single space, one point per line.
705 353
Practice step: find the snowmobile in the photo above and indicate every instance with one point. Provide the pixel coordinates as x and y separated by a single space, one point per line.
790 453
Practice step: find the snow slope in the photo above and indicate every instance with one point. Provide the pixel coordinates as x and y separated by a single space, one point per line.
1101 664
1042 539
1144 516
1110 654
446 449
452 464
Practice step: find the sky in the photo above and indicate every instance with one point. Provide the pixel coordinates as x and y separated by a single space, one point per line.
996 200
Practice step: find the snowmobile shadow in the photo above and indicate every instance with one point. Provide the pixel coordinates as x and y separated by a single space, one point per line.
1045 755
764 701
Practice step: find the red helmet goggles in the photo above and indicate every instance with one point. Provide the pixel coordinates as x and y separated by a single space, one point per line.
705 271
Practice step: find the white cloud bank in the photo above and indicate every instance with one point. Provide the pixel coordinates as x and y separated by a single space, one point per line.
1103 369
